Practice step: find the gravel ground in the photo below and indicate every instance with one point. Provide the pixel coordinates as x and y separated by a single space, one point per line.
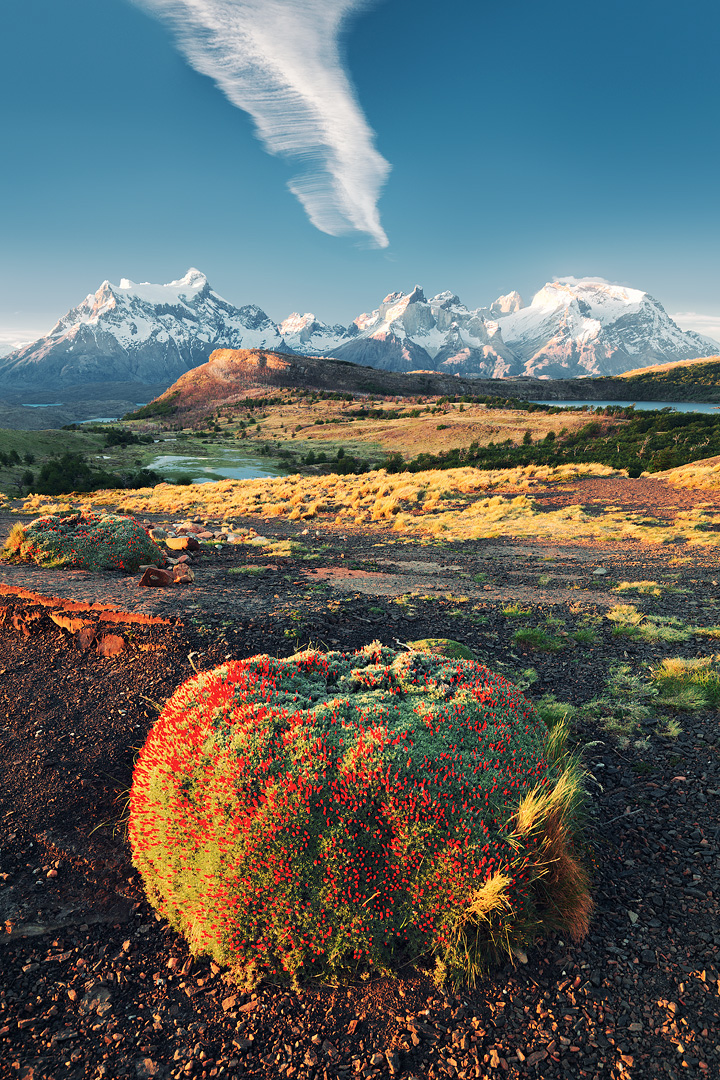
93 985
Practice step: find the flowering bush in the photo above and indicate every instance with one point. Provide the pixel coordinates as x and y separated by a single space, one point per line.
83 541
332 813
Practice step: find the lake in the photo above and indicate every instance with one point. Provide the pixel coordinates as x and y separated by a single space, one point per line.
679 406
205 471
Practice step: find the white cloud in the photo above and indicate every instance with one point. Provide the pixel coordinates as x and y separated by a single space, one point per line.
708 325
280 61
12 338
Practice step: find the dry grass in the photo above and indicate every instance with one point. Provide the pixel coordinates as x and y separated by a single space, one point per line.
452 504
698 474
446 428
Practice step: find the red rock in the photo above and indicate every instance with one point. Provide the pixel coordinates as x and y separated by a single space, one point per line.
155 578
110 645
65 622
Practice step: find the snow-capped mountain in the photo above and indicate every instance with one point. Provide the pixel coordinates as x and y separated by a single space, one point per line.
578 327
138 333
410 333
307 335
154 333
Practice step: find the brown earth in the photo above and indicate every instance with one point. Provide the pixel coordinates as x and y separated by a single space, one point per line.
93 985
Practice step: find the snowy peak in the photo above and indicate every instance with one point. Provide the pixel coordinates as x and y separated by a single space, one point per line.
307 334
576 327
506 305
139 333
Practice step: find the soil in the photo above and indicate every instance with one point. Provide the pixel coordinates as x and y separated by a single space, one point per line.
92 984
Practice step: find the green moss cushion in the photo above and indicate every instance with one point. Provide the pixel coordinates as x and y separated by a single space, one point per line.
84 541
343 812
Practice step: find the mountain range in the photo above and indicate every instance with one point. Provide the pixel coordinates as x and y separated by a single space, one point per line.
145 333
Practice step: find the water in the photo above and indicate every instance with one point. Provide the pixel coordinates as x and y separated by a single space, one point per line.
100 420
43 405
205 472
679 406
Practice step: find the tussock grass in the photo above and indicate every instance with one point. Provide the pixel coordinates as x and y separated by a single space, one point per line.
515 611
451 504
688 684
629 622
644 588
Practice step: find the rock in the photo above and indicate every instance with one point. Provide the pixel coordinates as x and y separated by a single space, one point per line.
206 535
158 533
145 1068
158 579
393 1061
182 543
182 574
229 1004
110 645
65 622
86 637
600 572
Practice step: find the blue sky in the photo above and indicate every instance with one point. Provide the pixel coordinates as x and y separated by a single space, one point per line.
525 141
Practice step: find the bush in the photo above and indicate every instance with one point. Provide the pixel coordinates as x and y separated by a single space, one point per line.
83 541
329 814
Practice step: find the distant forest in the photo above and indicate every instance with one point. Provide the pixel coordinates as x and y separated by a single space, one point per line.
644 441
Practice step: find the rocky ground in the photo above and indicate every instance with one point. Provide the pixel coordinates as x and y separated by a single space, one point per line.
93 985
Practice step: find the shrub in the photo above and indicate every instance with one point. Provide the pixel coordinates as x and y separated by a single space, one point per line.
83 541
333 813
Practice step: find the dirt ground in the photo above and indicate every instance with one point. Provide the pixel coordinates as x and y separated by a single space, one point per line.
93 985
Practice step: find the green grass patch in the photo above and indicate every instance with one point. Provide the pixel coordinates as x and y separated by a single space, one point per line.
534 637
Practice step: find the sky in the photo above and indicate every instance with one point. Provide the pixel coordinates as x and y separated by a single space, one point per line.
315 155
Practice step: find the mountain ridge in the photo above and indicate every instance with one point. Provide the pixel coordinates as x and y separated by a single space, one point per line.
148 333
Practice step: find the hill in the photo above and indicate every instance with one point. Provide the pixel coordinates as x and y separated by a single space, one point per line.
234 374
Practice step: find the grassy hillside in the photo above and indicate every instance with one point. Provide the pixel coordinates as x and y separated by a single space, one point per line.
687 380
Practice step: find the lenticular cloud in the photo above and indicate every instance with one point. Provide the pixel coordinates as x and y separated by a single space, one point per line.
279 60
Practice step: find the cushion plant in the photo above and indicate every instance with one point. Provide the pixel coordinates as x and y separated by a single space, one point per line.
334 813
83 541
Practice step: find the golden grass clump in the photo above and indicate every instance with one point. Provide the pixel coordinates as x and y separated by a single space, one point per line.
453 504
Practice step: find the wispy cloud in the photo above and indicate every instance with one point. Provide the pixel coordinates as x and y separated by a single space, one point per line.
280 61
708 325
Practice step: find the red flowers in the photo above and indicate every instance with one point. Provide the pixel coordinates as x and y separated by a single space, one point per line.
315 814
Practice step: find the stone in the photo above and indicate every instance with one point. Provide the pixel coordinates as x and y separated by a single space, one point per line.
393 1061
86 637
183 543
157 579
229 1004
110 645
182 574
158 533
145 1068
